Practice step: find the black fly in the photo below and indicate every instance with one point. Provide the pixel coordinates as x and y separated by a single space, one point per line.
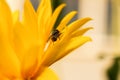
55 35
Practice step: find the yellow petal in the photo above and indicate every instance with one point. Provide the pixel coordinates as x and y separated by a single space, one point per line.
18 39
27 49
3 77
54 18
15 16
24 35
44 14
59 50
30 19
66 20
81 32
47 74
72 45
29 62
73 27
5 19
9 63
77 24
41 5
42 21
46 4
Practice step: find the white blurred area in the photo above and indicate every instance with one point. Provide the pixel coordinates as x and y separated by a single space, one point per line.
83 63
16 4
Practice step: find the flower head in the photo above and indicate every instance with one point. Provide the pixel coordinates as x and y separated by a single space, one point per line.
27 50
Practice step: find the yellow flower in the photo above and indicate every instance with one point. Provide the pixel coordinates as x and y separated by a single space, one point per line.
26 48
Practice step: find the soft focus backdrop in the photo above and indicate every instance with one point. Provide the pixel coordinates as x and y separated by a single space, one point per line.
96 60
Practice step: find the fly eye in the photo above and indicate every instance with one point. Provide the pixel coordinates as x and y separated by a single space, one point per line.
53 39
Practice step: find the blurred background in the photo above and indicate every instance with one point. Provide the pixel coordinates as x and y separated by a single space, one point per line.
96 60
